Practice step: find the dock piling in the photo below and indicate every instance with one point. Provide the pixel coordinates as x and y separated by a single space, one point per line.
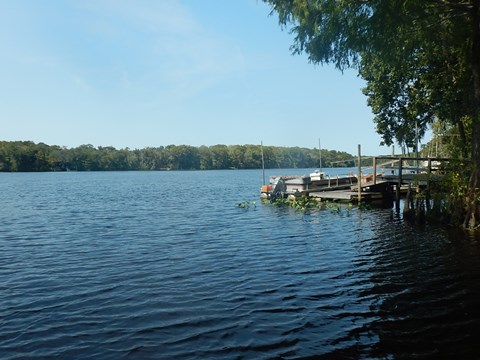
399 183
359 173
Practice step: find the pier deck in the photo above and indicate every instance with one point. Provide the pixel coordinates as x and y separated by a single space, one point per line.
370 191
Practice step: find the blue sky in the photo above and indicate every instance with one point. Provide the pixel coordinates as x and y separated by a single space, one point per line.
138 73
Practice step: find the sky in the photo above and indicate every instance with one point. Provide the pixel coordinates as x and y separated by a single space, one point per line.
149 73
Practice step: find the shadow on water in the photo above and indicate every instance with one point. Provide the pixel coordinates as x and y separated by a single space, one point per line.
414 289
424 294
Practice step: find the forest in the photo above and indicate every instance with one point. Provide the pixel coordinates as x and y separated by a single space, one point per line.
27 156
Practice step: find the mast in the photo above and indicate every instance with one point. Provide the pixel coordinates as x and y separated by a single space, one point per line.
320 154
263 162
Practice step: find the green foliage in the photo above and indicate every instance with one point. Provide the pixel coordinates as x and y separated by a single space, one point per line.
450 141
423 78
446 201
304 203
28 156
247 204
455 179
328 31
411 71
278 201
414 75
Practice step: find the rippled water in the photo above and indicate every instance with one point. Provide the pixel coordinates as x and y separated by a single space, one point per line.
164 265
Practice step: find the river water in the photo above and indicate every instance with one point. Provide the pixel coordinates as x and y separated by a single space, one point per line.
165 265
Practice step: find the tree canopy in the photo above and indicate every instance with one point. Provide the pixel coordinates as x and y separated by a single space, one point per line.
417 57
420 61
28 156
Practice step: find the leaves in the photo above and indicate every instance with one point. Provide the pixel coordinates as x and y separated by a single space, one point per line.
414 55
304 203
247 204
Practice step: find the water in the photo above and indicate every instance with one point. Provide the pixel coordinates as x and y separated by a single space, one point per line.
164 265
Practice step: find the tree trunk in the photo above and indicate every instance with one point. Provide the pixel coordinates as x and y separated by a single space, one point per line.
463 137
472 200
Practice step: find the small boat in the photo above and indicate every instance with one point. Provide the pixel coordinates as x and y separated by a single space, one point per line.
282 186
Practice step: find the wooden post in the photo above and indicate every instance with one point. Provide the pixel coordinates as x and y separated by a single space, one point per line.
429 174
393 155
400 171
374 170
359 173
399 183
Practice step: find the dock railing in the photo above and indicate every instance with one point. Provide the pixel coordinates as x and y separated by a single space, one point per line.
402 159
398 180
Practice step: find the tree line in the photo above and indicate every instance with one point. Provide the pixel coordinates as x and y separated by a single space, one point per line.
29 156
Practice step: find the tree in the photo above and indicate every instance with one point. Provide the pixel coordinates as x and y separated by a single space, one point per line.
182 157
235 154
421 61
205 157
253 157
220 157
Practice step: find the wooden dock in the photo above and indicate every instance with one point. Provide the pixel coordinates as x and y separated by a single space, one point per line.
370 191
385 184
383 181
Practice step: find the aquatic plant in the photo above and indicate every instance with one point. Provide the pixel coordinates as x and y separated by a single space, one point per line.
247 204
304 203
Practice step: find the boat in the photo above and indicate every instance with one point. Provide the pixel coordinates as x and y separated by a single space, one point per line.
298 185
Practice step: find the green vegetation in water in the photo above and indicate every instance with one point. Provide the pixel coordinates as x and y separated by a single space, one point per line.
247 204
446 201
364 206
304 203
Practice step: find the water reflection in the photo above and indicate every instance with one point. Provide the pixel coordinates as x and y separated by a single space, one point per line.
424 293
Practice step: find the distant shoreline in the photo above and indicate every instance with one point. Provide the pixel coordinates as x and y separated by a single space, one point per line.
27 156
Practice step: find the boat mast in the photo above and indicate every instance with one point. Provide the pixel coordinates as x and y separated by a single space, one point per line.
320 154
263 162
